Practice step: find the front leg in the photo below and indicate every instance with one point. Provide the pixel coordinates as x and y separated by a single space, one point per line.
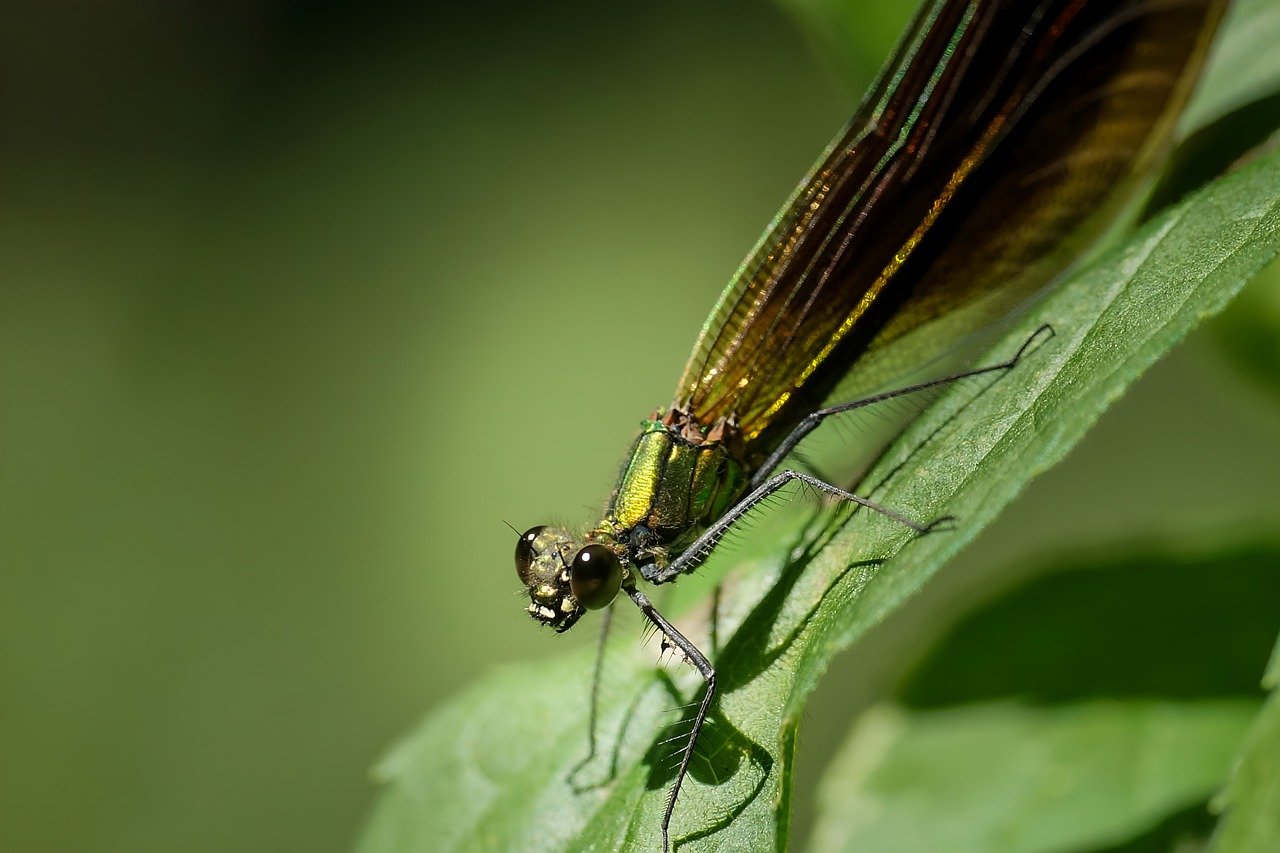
700 662
697 553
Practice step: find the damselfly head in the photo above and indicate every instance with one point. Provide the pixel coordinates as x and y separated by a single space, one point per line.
543 557
564 577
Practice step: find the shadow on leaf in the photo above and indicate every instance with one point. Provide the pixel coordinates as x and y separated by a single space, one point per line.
1152 625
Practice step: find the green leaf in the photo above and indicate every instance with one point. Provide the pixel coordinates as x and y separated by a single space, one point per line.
1152 673
1243 68
1252 797
1236 104
1019 779
1249 331
489 770
1182 620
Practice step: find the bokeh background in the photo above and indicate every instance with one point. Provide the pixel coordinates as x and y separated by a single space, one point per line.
301 301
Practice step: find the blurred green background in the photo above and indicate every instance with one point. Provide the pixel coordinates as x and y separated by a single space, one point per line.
300 301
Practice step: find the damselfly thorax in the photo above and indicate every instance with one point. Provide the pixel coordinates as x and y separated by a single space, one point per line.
679 476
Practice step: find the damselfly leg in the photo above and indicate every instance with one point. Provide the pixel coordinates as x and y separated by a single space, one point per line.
764 484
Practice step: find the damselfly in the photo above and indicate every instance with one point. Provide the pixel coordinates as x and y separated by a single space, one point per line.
1000 136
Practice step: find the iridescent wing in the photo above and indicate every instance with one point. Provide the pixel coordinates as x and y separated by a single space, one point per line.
998 132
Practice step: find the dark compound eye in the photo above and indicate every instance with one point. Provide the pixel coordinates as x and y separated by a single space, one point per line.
524 552
595 577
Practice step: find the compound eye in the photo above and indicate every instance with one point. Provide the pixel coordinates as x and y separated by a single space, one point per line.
595 577
524 552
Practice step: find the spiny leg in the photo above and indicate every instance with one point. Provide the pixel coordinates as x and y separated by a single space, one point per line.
593 714
762 487
715 618
810 423
700 662
697 553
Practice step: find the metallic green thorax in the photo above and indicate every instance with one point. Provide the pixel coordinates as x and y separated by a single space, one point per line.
679 477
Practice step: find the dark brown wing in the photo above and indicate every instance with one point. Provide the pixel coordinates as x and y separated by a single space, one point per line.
998 129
